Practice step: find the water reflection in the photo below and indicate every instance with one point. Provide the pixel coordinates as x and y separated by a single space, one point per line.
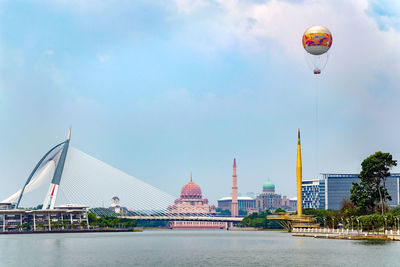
373 243
299 243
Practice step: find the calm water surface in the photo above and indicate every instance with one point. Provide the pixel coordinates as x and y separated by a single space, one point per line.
192 248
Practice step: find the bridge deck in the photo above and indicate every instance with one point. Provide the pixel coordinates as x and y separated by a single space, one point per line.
184 218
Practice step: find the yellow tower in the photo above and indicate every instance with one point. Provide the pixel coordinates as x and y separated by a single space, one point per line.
288 220
299 177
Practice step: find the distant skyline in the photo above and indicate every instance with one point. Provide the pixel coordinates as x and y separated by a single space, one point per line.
158 89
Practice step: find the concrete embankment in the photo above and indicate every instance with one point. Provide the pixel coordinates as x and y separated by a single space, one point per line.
387 236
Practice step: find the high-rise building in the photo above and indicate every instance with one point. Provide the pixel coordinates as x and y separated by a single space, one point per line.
313 194
329 192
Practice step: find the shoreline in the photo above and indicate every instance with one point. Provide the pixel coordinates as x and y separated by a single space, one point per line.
69 231
363 236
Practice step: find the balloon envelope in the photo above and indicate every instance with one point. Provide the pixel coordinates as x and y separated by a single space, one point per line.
317 40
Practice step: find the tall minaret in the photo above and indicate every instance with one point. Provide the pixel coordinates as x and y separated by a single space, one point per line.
235 206
299 177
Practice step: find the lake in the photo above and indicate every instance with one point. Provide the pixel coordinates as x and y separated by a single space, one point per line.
192 248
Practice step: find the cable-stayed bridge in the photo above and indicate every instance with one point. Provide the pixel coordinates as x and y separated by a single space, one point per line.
67 175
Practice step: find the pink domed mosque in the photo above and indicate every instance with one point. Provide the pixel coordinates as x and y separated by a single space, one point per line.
192 203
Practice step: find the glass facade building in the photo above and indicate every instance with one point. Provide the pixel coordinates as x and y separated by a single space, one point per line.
313 194
338 188
329 192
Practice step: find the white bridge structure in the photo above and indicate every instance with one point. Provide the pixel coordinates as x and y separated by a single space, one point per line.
66 175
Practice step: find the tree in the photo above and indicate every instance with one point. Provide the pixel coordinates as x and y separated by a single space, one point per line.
64 223
396 211
82 224
259 220
372 188
364 197
279 210
319 215
40 225
54 225
348 209
92 218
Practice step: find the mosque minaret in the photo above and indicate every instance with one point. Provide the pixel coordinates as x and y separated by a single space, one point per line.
235 206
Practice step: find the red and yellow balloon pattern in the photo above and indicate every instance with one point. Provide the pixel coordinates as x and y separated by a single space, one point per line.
317 39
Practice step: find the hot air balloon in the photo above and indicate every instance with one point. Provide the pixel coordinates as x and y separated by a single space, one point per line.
316 41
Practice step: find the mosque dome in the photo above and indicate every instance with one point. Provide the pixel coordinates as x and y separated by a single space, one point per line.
191 190
268 186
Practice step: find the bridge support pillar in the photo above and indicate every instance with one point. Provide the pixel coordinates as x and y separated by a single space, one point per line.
34 222
87 220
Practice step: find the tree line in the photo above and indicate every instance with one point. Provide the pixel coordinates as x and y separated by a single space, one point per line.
110 222
259 220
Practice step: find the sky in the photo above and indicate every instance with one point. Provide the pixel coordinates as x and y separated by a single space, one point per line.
158 89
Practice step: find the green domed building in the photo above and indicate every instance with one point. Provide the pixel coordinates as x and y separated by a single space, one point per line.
268 187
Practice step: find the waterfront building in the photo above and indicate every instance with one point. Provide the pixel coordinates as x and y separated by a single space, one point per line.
313 194
192 203
6 206
268 199
13 218
330 191
289 204
116 207
246 205
68 216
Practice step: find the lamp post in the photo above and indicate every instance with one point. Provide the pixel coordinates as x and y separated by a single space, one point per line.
324 223
385 226
358 226
351 218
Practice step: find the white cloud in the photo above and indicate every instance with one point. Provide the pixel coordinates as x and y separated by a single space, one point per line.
189 6
359 49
